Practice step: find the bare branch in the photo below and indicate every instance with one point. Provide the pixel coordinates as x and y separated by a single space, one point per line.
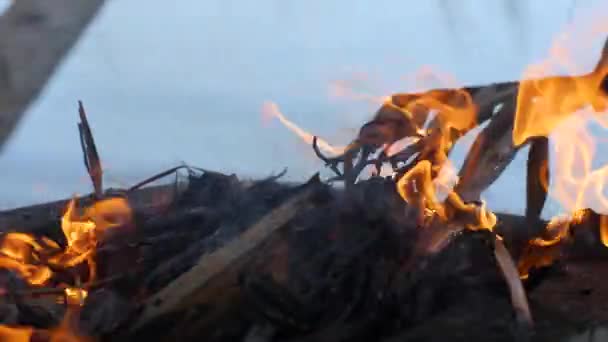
490 154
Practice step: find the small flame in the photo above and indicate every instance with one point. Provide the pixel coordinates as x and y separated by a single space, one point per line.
556 230
346 89
61 333
75 296
416 188
21 253
271 109
31 257
434 176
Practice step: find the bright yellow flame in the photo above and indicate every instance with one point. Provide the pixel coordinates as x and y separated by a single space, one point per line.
20 253
75 296
416 188
82 232
434 176
28 256
566 108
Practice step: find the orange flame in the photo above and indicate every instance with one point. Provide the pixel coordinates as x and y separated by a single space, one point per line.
543 103
15 334
25 334
434 176
566 108
31 257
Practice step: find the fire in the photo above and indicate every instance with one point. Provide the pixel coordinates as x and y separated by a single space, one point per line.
83 232
22 253
75 296
36 259
434 175
568 109
271 109
543 103
33 260
62 333
15 334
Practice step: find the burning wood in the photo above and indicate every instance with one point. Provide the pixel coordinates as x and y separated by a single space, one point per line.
385 258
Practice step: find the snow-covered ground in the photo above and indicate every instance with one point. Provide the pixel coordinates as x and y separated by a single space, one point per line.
185 82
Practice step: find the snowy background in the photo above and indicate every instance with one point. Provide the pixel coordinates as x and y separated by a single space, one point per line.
185 83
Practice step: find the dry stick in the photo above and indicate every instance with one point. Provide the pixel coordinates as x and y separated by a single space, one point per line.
490 154
157 177
516 288
182 291
537 178
328 161
89 151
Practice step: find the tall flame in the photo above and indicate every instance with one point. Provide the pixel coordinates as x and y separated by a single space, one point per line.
543 103
568 108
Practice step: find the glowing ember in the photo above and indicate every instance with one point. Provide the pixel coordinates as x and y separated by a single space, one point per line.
15 334
75 296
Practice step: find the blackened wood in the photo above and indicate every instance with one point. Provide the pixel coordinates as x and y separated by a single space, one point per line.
537 178
490 154
185 289
44 218
89 151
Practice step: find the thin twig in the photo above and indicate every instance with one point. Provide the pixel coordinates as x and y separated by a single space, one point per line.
490 154
162 175
331 163
516 288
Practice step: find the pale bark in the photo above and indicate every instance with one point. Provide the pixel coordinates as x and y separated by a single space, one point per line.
35 35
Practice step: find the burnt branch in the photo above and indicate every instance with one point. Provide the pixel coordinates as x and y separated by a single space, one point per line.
89 151
164 174
490 154
537 177
210 267
330 162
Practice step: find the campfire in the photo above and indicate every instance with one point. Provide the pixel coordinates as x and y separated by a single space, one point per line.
412 254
